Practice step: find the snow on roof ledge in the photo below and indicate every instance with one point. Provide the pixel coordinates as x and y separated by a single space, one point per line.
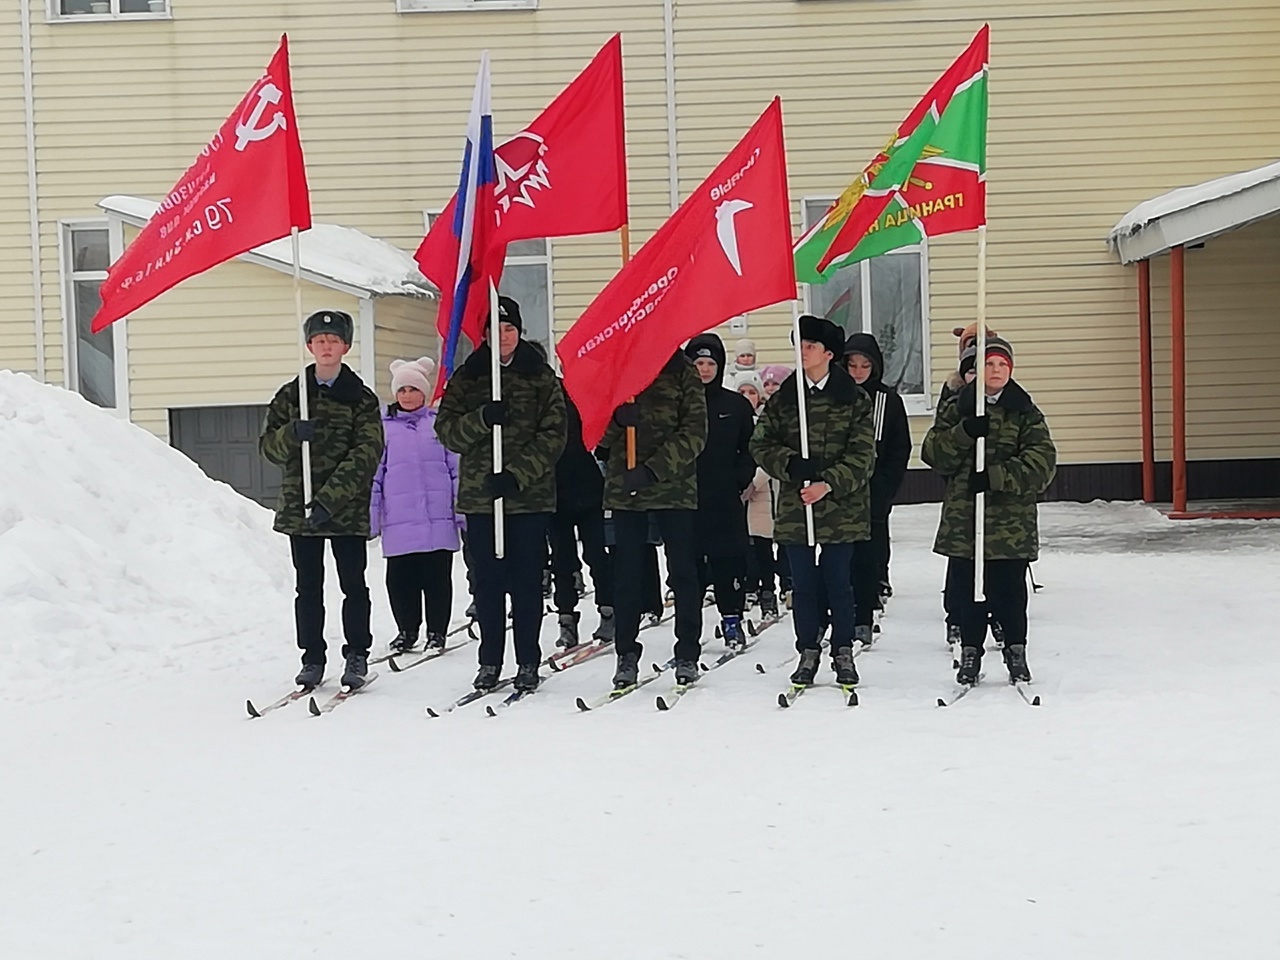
333 256
1195 214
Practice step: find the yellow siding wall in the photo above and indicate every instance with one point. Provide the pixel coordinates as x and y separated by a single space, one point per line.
1233 346
17 305
382 103
403 329
1096 105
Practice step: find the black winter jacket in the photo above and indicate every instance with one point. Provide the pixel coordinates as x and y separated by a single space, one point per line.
893 429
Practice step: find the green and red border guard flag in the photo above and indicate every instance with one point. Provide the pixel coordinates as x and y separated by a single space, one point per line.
726 250
247 187
929 180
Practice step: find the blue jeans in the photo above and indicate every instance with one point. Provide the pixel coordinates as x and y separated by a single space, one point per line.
821 593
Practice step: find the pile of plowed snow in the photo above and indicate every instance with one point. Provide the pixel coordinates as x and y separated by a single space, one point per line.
117 553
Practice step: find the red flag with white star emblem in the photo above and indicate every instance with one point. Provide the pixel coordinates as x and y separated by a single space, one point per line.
563 175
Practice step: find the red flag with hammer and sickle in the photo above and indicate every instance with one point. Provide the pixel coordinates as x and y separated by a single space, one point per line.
247 187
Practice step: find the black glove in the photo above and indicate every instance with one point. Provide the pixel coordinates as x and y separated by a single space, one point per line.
802 468
627 414
501 485
637 478
979 482
304 431
976 427
319 515
494 413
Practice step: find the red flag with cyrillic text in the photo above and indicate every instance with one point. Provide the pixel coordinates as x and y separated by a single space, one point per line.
247 187
725 251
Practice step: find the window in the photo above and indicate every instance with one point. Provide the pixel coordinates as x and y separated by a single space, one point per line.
526 278
426 6
108 9
887 297
91 357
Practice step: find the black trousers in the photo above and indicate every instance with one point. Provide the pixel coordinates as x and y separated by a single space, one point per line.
351 554
1006 591
864 577
761 566
727 576
630 557
518 575
821 594
879 546
567 528
651 589
418 579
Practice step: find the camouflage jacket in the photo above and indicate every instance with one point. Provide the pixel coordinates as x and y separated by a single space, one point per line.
344 456
672 432
1021 461
532 440
841 439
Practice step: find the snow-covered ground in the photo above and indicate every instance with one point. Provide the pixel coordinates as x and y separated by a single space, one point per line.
1132 815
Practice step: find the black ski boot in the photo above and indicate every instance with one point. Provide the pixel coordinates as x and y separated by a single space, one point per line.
487 678
353 676
768 603
607 629
435 641
862 634
579 585
310 676
404 641
527 678
568 631
970 665
842 663
650 620
953 634
686 672
628 671
808 668
997 633
731 630
1015 658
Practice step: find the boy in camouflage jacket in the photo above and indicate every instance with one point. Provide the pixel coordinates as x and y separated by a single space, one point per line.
835 479
670 417
532 415
1020 463
344 432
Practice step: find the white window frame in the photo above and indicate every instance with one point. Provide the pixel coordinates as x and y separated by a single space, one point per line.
437 6
917 404
118 331
546 259
54 14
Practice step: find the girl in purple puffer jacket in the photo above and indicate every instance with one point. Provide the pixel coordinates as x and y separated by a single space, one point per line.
414 494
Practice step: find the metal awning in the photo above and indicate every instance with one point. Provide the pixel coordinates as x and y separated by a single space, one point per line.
1191 215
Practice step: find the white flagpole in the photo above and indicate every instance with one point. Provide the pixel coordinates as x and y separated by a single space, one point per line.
980 395
303 405
801 399
495 393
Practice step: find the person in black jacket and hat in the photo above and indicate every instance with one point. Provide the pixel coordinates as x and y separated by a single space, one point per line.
579 516
865 363
725 470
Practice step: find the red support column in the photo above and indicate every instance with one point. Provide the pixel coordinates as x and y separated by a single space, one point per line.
1144 354
1178 375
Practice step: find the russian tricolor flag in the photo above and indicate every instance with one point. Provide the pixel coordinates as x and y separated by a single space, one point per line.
475 261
